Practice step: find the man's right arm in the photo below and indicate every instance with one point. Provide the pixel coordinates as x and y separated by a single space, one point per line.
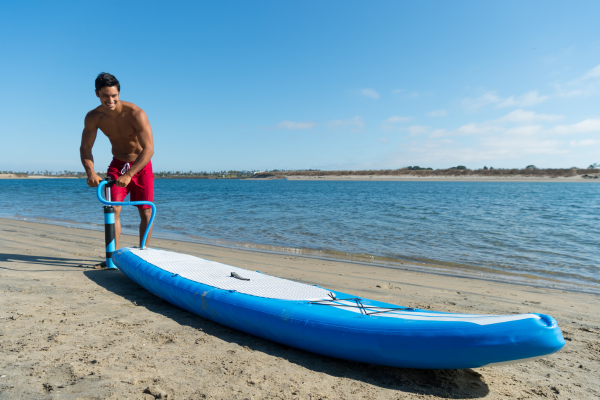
88 137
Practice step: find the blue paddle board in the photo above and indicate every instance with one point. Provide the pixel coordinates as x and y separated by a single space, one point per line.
338 324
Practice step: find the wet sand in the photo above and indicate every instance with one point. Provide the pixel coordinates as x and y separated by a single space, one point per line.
68 331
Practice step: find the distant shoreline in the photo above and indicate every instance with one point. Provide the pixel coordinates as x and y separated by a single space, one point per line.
16 176
439 178
374 178
456 174
362 177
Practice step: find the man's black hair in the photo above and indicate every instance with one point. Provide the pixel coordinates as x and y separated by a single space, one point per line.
105 79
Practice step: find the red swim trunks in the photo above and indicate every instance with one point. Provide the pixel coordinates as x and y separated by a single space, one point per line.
141 186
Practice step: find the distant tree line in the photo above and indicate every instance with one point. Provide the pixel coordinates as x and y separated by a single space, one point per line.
45 173
158 175
232 174
459 170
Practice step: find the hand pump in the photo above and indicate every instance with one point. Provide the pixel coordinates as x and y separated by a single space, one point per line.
109 218
109 225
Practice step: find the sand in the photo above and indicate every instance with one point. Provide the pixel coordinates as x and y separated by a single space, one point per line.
68 331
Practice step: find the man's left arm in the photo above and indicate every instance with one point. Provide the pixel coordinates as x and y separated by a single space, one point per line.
144 134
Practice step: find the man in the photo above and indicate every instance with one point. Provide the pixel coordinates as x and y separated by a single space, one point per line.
128 129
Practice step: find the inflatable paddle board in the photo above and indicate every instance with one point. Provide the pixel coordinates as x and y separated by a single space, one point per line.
337 324
333 323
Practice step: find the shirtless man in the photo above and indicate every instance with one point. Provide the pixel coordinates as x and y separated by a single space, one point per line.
128 129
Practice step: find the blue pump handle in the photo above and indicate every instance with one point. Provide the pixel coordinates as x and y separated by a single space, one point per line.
129 203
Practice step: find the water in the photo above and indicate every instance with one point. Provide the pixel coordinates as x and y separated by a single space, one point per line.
543 231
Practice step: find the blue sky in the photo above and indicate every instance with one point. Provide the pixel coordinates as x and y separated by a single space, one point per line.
308 84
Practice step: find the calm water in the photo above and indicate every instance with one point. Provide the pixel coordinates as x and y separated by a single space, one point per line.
546 230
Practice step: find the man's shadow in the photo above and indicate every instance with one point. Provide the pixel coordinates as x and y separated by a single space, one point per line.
457 384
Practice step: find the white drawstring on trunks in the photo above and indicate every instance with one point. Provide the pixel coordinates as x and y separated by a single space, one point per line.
126 168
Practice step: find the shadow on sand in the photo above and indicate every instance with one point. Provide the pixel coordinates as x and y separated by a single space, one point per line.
59 262
457 384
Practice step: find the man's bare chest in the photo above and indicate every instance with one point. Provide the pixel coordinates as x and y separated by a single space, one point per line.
117 128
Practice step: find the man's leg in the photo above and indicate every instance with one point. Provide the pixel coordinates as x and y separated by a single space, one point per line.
142 189
145 215
117 226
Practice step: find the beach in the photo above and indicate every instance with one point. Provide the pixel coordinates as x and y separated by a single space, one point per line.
69 331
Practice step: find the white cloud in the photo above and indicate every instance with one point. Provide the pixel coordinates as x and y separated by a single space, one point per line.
370 93
416 129
475 128
439 133
519 146
506 125
489 97
413 94
528 116
388 124
525 100
585 126
486 150
384 140
586 85
470 129
569 93
396 119
585 142
592 73
526 130
355 124
291 125
520 136
438 113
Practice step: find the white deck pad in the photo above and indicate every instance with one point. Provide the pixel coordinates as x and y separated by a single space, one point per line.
479 319
218 275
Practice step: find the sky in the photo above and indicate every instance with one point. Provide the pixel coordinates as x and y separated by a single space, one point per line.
262 85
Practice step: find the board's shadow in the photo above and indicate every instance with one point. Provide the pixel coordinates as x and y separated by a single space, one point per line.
457 384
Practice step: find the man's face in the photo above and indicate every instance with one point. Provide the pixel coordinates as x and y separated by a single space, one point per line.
109 97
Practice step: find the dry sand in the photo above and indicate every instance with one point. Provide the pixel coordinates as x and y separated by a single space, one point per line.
70 332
